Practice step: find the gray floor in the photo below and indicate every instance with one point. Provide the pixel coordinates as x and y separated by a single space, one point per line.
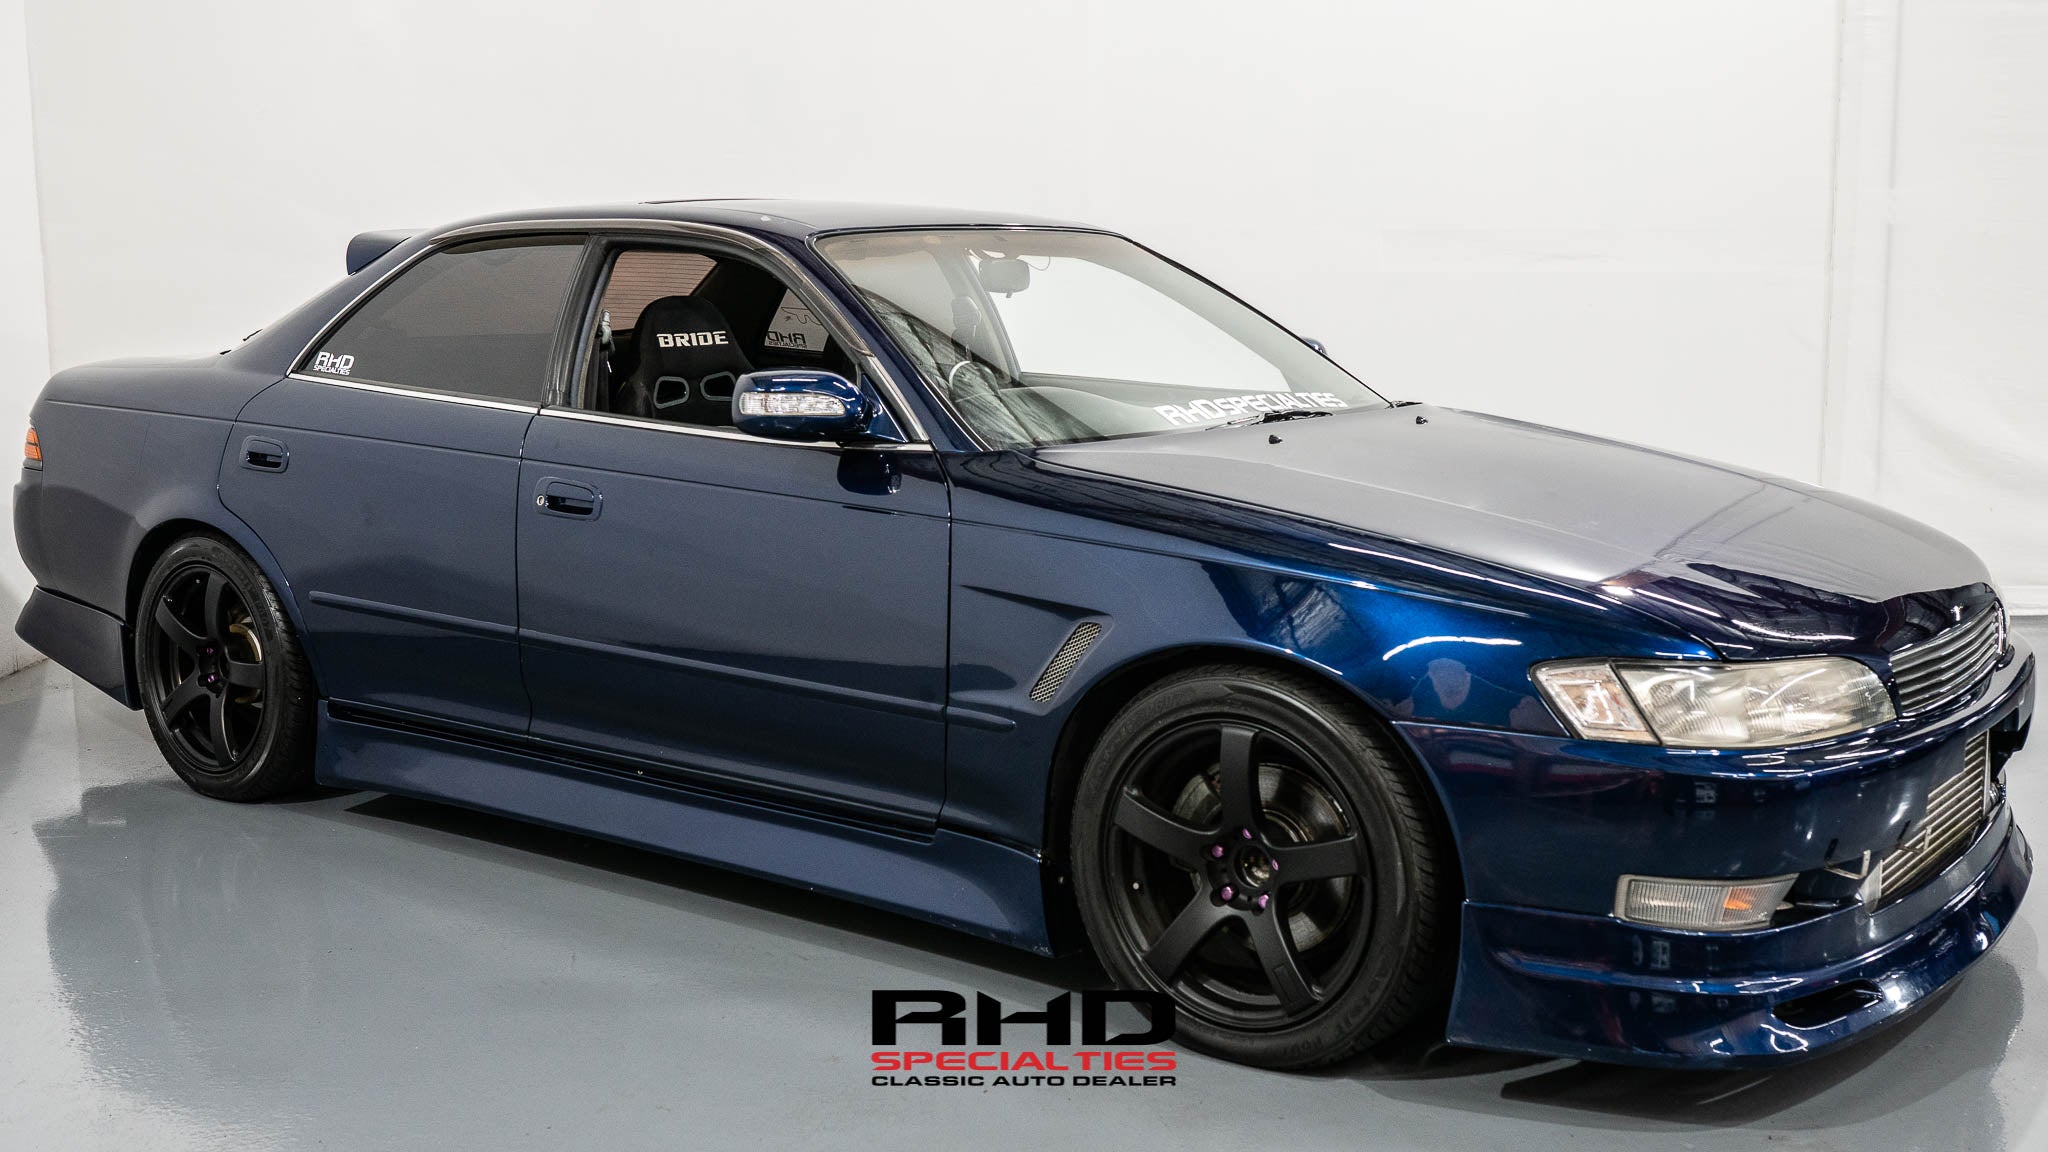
357 972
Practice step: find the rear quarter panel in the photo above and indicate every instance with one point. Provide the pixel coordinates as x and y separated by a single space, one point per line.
128 446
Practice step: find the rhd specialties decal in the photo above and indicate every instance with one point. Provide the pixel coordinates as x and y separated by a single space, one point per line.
1250 403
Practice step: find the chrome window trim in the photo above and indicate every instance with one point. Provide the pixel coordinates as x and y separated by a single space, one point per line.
417 393
893 396
567 413
795 275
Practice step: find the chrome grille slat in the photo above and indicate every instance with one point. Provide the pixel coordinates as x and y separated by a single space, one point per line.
1956 641
1956 809
1937 690
1968 648
1943 667
1937 671
1944 644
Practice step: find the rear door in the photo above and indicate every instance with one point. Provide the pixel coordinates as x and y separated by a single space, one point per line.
384 476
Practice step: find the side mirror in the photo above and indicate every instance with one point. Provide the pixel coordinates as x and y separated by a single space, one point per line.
796 405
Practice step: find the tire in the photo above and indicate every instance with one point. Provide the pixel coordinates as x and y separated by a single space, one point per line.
223 681
1295 924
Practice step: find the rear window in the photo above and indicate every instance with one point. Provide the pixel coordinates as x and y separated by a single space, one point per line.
474 320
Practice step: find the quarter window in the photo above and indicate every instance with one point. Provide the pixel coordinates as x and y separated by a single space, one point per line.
475 320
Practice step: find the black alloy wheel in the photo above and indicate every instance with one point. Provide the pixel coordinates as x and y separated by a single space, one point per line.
1248 843
209 667
224 684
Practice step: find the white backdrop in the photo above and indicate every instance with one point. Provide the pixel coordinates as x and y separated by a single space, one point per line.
1803 235
24 353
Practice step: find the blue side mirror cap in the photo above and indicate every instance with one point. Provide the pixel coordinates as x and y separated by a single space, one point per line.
789 404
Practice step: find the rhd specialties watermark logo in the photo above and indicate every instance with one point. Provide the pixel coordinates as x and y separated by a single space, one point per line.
901 1017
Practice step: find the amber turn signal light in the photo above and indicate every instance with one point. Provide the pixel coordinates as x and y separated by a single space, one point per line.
33 449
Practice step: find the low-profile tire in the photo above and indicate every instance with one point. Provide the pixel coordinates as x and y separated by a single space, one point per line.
1250 843
223 681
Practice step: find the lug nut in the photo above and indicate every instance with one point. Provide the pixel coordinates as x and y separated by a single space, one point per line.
1227 892
1264 899
1245 832
1272 865
1216 851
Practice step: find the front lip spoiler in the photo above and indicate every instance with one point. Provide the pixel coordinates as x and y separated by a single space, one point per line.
1512 998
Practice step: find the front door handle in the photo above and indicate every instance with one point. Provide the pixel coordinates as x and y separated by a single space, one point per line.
264 454
557 497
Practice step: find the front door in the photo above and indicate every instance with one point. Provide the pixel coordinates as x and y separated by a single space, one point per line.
745 614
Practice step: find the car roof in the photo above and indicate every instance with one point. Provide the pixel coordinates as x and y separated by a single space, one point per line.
797 218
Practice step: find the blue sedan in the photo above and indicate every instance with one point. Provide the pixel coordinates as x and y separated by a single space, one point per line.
1008 574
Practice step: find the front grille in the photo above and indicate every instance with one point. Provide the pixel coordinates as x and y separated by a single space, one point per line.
1935 671
1956 809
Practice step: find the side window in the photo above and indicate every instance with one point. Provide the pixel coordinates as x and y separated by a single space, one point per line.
677 328
476 320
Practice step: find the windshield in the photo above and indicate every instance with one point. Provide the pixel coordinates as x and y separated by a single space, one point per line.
1040 336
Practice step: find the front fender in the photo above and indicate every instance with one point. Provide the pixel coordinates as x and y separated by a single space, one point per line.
1410 654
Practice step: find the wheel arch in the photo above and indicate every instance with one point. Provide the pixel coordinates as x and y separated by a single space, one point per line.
158 539
1106 695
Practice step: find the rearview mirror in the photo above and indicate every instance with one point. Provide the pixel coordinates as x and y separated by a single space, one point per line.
1005 276
798 405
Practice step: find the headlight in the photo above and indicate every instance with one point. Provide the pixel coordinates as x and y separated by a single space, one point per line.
1760 705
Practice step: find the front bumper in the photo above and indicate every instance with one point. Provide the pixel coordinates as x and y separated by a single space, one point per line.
1561 976
1596 988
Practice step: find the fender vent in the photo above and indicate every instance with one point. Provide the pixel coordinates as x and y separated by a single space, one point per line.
1063 661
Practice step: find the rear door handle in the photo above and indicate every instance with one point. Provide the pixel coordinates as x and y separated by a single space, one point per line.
264 454
558 497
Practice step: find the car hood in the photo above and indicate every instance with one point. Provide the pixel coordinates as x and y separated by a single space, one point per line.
1753 565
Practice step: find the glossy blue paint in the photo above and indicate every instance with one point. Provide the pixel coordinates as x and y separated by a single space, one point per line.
963 882
1595 988
395 519
1750 565
814 661
1524 805
760 615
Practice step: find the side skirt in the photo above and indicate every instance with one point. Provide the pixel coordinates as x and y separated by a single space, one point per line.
962 882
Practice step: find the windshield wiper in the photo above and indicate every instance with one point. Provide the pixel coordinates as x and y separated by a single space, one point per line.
1271 418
